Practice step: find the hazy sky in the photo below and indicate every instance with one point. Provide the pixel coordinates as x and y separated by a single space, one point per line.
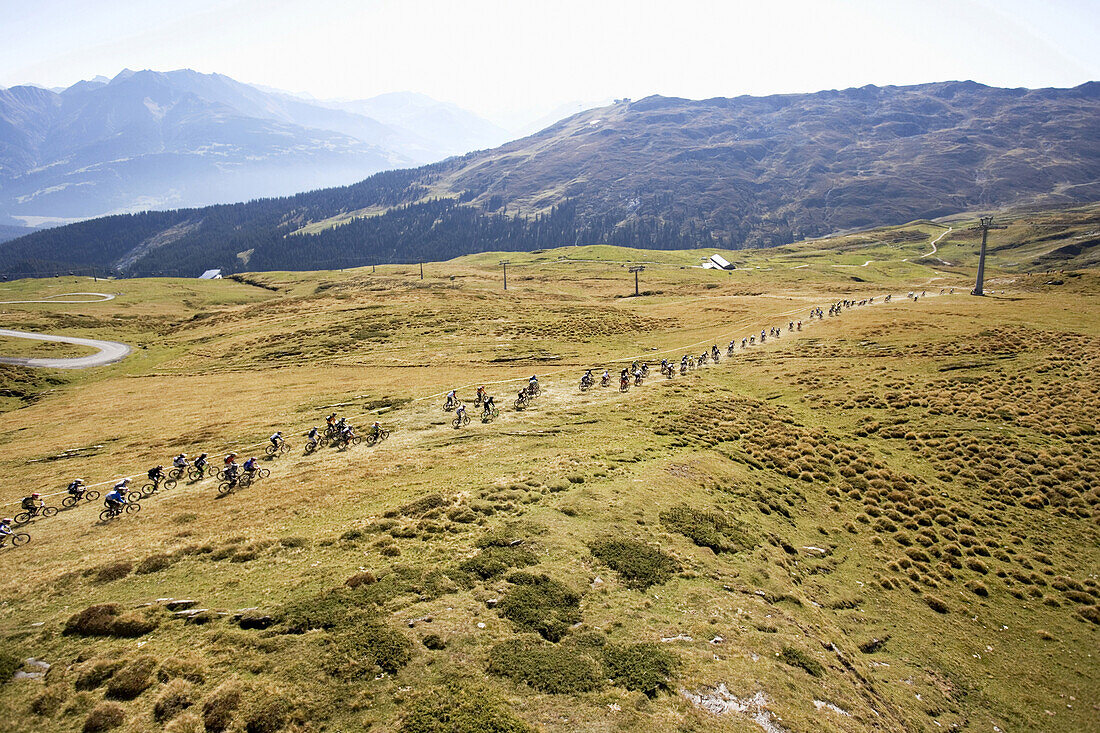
517 59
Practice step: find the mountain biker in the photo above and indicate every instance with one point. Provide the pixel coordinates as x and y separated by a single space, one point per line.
156 474
586 380
5 528
116 497
340 425
229 458
200 462
331 419
277 439
312 435
231 471
533 385
714 353
76 488
376 429
460 412
480 395
180 461
347 433
605 378
33 503
250 465
450 400
487 405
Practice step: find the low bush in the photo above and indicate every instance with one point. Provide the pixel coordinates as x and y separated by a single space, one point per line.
173 700
365 577
104 716
496 560
708 529
266 713
107 619
187 722
643 667
363 652
423 505
434 642
96 672
112 571
639 565
49 701
183 667
9 664
154 563
546 667
132 679
541 604
458 709
937 604
221 706
798 658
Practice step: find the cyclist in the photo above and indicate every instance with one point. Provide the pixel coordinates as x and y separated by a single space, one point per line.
312 435
231 471
586 380
331 420
33 503
229 459
533 385
156 474
487 405
714 353
5 528
277 439
116 497
624 381
376 429
347 433
450 400
76 488
460 412
180 462
605 379
250 466
480 396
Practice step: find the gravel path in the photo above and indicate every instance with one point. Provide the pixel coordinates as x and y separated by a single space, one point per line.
109 352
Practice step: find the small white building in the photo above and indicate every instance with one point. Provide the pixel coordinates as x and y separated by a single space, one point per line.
722 262
211 275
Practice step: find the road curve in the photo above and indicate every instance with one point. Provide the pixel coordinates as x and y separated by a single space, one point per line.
109 352
100 297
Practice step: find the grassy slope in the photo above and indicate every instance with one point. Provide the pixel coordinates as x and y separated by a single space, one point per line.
858 455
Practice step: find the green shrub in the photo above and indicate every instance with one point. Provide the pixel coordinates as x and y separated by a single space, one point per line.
266 713
457 709
362 652
220 706
324 611
113 571
545 667
133 679
642 667
494 560
936 604
154 563
173 700
434 642
104 716
708 529
639 565
96 673
798 658
107 619
9 664
423 505
541 604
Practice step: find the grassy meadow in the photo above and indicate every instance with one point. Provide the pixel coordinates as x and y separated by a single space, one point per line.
885 521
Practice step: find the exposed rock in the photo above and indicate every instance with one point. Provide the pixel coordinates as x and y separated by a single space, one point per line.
720 701
179 605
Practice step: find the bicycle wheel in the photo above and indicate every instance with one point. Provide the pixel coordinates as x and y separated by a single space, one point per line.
245 481
270 450
91 495
133 508
357 440
134 496
383 434
48 511
170 484
149 489
263 472
284 448
106 515
310 447
20 538
22 517
194 475
69 501
225 487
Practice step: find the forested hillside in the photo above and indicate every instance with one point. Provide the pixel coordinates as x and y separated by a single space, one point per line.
656 173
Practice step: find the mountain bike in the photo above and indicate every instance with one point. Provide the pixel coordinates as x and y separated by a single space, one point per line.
460 420
177 472
130 507
487 417
17 539
198 473
274 451
72 500
375 438
27 515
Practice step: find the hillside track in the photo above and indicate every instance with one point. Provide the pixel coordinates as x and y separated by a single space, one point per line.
109 351
99 298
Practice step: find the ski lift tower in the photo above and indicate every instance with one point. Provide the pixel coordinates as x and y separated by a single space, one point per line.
985 223
636 269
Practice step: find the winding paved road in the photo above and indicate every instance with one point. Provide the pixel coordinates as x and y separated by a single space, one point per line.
109 351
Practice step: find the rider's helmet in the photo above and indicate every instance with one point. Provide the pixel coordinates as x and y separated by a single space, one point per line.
377 424
202 455
125 481
36 495
78 481
6 520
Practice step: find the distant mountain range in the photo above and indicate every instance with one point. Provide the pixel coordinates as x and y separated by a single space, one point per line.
151 140
657 172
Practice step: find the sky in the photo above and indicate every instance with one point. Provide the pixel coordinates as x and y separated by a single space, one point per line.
514 60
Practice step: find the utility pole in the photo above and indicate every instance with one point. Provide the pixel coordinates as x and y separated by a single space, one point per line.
421 270
985 223
636 269
504 264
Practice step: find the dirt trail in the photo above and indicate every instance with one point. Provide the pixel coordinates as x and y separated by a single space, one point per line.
100 298
109 352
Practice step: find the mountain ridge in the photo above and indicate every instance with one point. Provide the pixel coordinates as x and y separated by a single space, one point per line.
659 172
